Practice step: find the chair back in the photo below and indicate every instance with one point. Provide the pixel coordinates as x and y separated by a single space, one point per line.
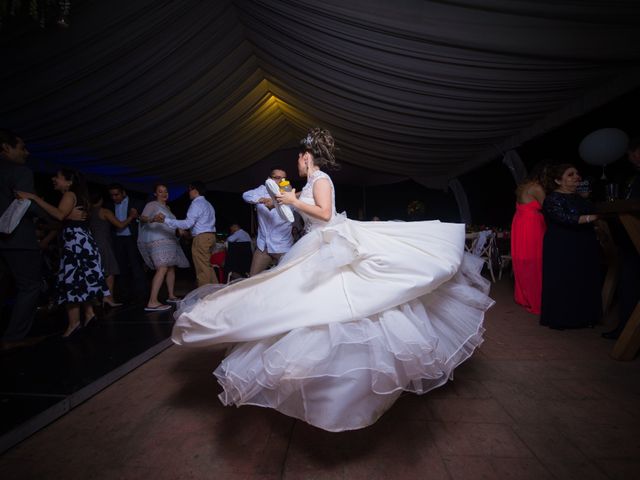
239 257
485 247
481 246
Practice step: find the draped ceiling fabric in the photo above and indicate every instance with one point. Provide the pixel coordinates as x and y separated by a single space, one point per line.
141 90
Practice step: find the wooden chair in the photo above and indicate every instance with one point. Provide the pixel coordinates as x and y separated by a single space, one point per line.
469 240
505 261
487 251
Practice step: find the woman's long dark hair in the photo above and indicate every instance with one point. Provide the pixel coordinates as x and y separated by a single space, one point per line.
78 186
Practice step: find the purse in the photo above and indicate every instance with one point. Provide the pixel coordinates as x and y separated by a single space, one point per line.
13 214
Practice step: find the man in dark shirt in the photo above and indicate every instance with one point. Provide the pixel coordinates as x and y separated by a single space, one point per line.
629 277
19 249
132 281
633 184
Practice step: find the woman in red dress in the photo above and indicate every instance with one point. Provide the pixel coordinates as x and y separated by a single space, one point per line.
527 232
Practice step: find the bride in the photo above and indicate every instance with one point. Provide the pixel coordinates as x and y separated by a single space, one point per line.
353 315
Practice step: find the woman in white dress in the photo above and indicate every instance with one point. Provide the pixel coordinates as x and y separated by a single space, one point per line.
160 249
354 314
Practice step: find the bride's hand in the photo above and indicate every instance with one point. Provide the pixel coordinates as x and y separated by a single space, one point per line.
287 198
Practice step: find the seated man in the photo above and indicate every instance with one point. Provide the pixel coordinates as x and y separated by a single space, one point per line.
237 234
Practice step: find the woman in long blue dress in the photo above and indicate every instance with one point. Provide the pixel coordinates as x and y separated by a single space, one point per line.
571 276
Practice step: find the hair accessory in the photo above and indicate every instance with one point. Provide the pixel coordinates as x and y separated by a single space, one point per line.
308 141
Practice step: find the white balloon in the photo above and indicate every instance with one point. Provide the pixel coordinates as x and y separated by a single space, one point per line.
603 146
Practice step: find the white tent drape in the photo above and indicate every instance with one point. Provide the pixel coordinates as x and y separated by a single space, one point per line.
139 90
515 165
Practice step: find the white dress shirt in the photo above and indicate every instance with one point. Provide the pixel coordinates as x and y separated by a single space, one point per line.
274 233
201 218
239 236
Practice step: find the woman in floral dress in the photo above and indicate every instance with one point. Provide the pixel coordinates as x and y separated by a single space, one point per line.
80 277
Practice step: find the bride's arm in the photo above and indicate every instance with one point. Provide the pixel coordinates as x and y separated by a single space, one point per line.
323 208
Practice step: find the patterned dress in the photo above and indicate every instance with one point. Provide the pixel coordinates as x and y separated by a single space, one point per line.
80 276
157 242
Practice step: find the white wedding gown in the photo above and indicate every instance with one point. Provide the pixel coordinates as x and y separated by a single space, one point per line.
355 314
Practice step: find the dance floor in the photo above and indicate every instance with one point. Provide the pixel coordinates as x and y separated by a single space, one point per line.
40 383
532 403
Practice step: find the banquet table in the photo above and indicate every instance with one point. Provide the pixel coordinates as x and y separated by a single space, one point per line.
628 212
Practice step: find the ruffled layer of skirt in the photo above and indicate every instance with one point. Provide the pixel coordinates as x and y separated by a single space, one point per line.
355 314
344 376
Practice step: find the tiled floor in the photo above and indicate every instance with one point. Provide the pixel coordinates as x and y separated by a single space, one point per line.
532 403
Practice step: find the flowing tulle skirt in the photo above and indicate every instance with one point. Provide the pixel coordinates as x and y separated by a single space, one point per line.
355 314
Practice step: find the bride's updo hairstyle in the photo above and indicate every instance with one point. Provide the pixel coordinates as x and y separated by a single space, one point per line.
319 142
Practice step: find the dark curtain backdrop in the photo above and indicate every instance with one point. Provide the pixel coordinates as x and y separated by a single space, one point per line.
141 90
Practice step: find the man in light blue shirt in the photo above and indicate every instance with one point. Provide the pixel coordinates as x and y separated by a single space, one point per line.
274 233
201 220
237 234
